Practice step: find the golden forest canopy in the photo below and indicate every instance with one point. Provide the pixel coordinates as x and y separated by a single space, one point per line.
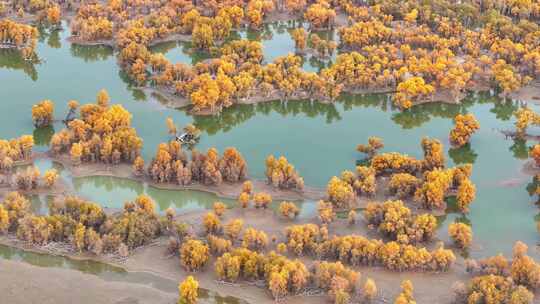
425 52
19 36
103 133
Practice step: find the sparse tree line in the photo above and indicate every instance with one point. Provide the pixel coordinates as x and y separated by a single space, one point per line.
427 181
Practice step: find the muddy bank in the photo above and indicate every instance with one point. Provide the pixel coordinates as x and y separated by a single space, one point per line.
23 283
528 93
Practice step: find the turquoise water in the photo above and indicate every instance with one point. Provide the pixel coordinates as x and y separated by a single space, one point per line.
319 139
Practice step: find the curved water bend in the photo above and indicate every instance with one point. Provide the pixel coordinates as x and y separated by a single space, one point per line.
108 272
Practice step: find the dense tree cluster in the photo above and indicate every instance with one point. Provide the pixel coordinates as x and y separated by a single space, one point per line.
281 275
83 224
461 234
357 250
525 117
194 254
465 126
422 51
492 289
218 245
262 200
253 239
340 192
303 239
43 12
103 133
501 281
437 184
43 113
395 220
19 36
340 281
427 180
326 212
320 15
13 150
172 165
403 185
281 174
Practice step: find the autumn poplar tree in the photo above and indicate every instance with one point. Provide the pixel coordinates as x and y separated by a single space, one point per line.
465 126
188 291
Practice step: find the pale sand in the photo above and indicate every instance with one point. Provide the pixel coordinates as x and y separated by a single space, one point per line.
26 284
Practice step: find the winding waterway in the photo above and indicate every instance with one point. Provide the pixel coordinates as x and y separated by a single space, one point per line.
319 139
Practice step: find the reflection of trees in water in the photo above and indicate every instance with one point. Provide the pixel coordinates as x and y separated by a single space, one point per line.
266 32
47 260
533 189
226 120
54 39
415 117
11 59
184 47
503 109
463 155
43 135
109 183
163 47
421 114
136 93
179 199
233 116
350 101
452 208
91 53
164 198
519 149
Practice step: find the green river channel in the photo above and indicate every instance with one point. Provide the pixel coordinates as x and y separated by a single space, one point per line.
319 139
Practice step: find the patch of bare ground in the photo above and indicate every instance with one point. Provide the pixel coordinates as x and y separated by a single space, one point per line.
528 93
21 283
